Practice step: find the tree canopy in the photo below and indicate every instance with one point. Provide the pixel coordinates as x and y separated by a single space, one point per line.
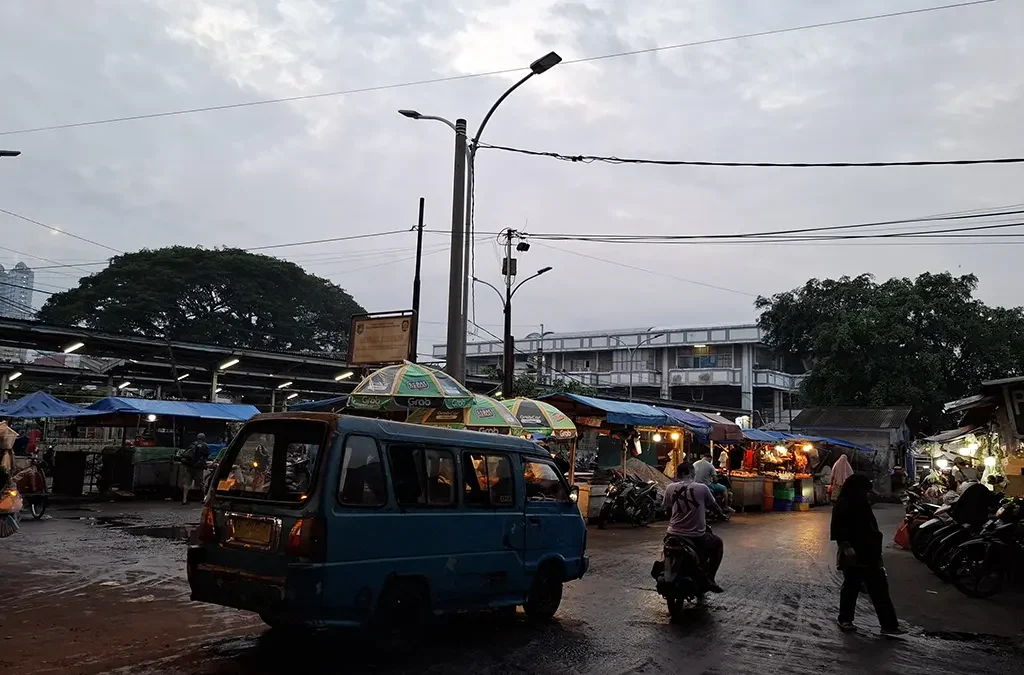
918 342
226 296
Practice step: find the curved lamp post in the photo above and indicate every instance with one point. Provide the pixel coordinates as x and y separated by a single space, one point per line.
509 360
632 351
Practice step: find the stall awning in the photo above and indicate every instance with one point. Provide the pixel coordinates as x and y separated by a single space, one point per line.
783 436
688 420
40 404
616 412
760 436
325 405
231 412
722 430
952 434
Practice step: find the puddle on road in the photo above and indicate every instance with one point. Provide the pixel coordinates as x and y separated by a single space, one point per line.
172 532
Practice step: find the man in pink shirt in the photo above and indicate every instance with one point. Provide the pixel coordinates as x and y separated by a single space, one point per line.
687 503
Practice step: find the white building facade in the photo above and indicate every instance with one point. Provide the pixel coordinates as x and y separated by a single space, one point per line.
719 366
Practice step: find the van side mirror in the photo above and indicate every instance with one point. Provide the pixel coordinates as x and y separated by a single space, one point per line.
574 494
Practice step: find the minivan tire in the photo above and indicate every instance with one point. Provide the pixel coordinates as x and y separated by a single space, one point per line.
545 594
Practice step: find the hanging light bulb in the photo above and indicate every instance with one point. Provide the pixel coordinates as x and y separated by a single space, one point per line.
942 463
674 436
990 461
656 438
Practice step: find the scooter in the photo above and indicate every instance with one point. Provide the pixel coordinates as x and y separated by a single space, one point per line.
980 567
629 500
680 576
31 483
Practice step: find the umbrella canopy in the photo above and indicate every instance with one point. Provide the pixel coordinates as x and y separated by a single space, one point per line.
409 385
486 415
540 417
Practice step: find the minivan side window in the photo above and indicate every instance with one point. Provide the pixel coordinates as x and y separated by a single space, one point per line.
422 476
487 480
543 484
362 474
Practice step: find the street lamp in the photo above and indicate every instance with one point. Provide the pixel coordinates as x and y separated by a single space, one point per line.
509 360
455 359
632 351
462 216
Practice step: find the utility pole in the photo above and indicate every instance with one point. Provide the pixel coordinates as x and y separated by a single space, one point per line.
509 270
455 356
416 286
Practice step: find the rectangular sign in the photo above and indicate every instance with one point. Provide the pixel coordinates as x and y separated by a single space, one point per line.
1015 407
586 421
380 339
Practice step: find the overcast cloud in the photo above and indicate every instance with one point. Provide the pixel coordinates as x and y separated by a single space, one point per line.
943 85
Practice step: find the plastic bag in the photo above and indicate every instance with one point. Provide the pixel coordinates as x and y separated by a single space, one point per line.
10 502
902 537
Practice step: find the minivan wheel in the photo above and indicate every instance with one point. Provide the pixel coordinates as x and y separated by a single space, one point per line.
545 595
278 624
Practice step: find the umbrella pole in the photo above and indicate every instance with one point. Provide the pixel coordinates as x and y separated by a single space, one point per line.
572 462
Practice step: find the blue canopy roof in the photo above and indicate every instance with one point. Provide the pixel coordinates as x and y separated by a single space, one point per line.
761 436
232 412
40 404
785 436
325 404
619 412
688 420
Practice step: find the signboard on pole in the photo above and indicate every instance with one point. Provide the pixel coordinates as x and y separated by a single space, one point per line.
382 338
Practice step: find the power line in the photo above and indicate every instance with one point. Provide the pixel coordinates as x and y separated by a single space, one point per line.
491 73
647 271
26 288
611 159
57 230
326 241
36 257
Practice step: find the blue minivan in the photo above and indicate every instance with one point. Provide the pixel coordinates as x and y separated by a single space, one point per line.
330 520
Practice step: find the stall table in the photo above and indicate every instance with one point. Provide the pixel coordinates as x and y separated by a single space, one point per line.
747 491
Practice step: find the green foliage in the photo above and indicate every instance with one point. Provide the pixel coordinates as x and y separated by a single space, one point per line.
919 342
227 296
528 387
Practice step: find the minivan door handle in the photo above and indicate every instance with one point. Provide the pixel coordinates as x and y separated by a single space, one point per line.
534 520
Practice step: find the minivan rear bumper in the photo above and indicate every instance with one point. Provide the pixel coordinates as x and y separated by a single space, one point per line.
232 587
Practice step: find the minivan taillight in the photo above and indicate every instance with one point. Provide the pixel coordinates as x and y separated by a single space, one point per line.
207 531
308 539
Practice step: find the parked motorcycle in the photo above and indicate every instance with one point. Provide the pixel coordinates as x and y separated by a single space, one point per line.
31 483
980 567
629 500
680 577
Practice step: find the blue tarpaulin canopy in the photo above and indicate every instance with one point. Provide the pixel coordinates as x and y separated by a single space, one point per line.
761 436
695 423
785 436
325 405
40 404
231 412
616 412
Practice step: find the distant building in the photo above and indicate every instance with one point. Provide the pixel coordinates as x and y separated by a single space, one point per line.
16 292
721 366
16 302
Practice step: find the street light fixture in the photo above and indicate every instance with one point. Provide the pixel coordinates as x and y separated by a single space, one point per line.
462 206
227 364
632 351
73 347
509 347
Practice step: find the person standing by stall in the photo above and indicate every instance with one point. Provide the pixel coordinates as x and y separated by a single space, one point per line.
856 533
841 471
193 463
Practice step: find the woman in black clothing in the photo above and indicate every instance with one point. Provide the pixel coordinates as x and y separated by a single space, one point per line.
855 531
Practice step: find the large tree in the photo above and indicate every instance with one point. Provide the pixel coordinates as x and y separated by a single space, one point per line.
225 296
918 342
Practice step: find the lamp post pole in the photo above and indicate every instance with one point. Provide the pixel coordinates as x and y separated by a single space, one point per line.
631 351
462 250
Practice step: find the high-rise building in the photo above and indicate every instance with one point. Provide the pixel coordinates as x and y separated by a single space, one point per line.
16 292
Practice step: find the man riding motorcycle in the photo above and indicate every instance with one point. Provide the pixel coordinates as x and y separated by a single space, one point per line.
687 502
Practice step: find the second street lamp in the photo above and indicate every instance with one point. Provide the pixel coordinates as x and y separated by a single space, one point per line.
509 360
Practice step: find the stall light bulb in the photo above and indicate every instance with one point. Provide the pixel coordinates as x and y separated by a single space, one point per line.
973 447
990 461
966 452
656 438
674 436
151 417
942 463
807 447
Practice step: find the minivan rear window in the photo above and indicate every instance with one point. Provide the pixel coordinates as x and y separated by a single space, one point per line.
274 460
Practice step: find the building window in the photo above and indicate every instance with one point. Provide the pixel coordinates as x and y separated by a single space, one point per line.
705 356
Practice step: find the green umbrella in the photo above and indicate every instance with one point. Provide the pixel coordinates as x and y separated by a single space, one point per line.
539 417
486 415
408 385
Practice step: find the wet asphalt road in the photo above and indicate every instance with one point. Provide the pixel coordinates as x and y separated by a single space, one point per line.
102 588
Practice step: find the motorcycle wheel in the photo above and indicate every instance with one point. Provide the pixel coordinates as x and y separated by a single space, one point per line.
644 515
919 542
676 606
38 507
969 574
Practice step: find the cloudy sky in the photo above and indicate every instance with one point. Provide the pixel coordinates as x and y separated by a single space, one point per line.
941 85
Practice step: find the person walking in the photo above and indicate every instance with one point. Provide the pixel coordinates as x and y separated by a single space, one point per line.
841 471
856 533
193 464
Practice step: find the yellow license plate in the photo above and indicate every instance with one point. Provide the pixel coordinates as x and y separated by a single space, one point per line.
249 531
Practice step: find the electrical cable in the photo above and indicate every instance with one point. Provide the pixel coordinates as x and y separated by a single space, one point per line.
504 71
560 372
27 288
57 230
326 241
611 159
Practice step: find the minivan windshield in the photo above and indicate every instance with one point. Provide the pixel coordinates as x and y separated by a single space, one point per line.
273 460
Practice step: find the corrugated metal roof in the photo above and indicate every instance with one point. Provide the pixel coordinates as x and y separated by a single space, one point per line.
852 418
